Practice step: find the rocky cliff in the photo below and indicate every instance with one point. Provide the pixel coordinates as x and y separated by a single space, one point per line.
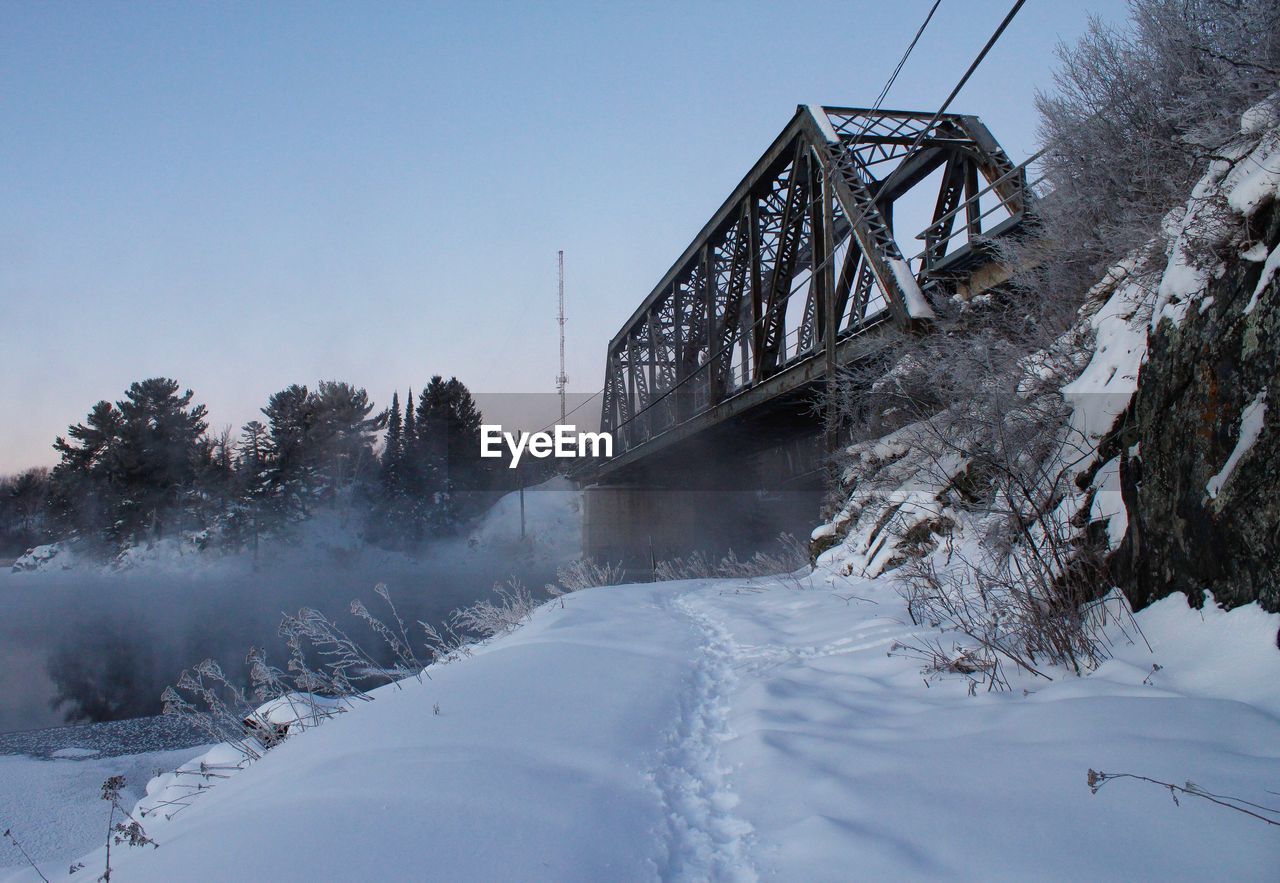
1200 467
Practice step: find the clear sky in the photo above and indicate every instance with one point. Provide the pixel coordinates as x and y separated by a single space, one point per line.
247 195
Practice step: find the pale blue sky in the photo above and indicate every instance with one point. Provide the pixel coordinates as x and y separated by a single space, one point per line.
244 195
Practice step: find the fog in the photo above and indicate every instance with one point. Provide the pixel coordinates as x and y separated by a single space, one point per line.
104 646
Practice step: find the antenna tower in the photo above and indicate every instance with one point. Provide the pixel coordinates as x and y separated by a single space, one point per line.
561 379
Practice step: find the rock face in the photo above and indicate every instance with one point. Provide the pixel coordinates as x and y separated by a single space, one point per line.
1201 464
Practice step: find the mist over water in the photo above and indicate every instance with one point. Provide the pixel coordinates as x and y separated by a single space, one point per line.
104 646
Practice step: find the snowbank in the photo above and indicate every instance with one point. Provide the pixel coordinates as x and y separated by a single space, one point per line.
553 524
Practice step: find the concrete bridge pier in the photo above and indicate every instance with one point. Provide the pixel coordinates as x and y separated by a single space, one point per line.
641 525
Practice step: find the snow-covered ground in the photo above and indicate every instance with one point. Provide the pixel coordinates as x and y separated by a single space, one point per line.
756 729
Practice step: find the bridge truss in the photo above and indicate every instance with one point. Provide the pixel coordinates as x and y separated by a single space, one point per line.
801 263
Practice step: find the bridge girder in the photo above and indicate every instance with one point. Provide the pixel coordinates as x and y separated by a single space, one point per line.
800 259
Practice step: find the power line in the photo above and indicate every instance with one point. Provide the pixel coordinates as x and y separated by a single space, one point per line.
956 91
905 55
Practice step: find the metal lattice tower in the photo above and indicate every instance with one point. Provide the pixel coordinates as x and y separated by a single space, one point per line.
561 379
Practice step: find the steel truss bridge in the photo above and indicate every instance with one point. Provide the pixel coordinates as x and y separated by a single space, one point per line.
800 271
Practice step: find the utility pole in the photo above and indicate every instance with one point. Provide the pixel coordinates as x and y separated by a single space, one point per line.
561 379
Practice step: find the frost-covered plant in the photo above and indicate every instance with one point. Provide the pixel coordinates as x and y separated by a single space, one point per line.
443 642
345 662
789 556
8 835
1268 815
306 679
213 704
270 686
585 573
398 638
224 711
510 607
696 565
975 491
120 833
1135 114
1032 606
267 681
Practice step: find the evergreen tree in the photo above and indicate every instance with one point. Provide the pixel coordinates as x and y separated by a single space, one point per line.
432 453
393 451
84 485
215 486
254 450
410 425
448 449
292 478
255 470
23 511
342 434
323 443
468 471
129 465
410 479
159 439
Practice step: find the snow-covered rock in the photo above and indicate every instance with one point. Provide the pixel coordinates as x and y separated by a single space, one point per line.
51 556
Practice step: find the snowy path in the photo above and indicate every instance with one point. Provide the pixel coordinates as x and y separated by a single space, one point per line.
705 839
737 731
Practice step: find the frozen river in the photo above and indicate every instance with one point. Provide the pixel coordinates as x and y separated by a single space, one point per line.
104 647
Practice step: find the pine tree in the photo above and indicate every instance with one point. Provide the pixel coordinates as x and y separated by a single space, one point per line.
159 441
432 448
468 471
84 486
255 461
449 447
131 464
253 451
289 416
323 443
342 436
409 478
393 452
